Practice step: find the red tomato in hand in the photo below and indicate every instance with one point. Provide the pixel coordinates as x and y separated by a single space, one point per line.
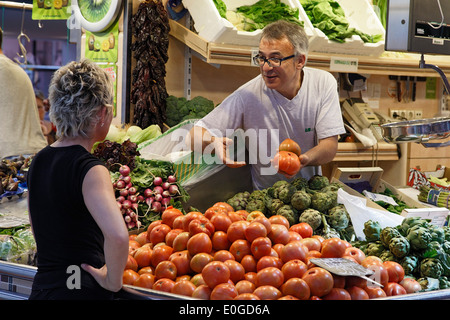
291 146
287 162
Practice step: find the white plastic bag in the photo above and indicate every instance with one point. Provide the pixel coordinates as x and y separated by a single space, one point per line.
360 213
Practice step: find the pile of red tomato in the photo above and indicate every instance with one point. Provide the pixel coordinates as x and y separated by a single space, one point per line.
222 254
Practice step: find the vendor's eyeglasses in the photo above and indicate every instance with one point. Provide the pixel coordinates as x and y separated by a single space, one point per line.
272 62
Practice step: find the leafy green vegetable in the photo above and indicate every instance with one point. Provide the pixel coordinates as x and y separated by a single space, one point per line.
221 7
264 12
329 17
180 109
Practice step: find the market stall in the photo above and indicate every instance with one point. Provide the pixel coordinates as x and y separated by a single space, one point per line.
197 228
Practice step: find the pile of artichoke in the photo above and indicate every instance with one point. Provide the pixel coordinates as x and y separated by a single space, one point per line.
421 248
313 201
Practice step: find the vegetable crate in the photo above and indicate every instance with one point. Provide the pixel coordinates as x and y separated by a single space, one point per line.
213 28
361 16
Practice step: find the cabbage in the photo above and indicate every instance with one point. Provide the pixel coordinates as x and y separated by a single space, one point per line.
115 134
132 130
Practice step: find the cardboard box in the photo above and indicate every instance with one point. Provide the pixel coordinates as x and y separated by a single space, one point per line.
438 216
350 176
369 203
372 175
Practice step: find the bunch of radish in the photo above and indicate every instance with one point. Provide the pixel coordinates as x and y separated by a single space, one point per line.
158 197
128 198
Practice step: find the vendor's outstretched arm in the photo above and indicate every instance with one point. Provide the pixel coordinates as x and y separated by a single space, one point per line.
321 154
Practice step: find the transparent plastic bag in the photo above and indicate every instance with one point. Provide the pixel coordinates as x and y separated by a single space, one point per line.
190 167
360 213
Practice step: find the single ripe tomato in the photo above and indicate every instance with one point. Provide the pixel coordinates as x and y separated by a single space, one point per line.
202 292
267 292
319 280
220 240
199 261
199 242
291 146
296 287
303 229
237 271
287 162
130 276
239 249
294 250
357 293
236 230
145 280
166 269
143 256
223 291
164 284
181 260
293 269
395 271
333 248
279 219
169 215
184 288
201 225
158 233
160 253
337 294
269 276
215 272
394 289
255 230
355 253
260 247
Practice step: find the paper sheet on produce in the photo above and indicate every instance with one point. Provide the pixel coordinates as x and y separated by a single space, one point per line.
360 213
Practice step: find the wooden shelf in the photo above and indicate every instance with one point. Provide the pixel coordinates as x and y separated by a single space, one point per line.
355 151
389 63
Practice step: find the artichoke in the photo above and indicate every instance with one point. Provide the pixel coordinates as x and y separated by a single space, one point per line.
431 267
444 283
289 213
387 255
338 217
419 237
311 217
273 190
446 246
437 233
301 200
387 234
239 200
410 222
328 232
322 201
409 264
374 249
333 186
285 193
273 205
318 182
372 230
300 183
399 246
256 205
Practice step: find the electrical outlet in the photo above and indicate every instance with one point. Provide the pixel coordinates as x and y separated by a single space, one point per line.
418 114
394 113
410 114
403 114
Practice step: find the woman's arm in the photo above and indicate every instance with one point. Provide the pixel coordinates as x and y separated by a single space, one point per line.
99 198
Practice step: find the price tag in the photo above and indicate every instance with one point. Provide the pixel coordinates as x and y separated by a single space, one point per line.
379 197
340 64
344 267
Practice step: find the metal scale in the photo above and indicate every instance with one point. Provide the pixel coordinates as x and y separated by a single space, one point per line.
419 26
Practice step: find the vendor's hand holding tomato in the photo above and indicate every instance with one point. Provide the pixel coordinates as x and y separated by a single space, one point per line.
287 161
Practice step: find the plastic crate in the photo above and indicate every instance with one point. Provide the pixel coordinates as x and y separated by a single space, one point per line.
213 28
